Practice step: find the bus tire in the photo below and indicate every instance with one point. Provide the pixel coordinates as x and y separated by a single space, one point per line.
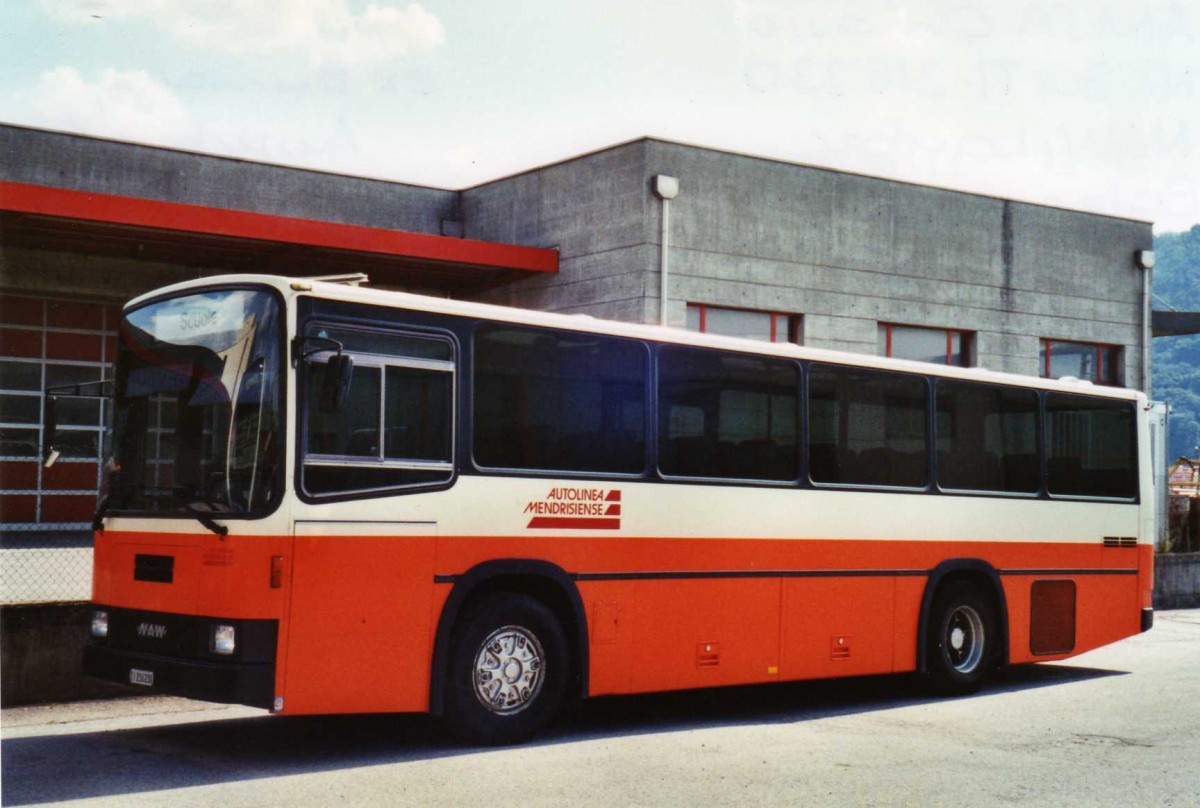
508 670
962 639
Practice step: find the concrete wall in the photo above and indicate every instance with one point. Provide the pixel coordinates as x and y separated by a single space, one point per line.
1177 581
848 252
596 210
104 166
845 251
41 649
82 163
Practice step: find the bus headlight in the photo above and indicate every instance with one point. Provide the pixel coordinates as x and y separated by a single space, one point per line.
99 623
224 640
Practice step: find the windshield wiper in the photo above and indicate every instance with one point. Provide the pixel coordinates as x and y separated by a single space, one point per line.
206 520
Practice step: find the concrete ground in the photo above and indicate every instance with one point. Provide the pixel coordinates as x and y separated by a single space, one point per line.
1117 726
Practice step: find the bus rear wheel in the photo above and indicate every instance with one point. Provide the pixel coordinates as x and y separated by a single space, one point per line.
508 670
961 639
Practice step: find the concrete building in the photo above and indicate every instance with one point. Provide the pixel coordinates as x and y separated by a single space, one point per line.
756 247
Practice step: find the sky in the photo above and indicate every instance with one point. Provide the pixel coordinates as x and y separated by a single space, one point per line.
1092 105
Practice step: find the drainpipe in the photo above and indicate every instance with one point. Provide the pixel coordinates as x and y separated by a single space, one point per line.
1145 261
665 188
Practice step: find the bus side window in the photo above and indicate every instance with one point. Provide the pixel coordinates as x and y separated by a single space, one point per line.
350 431
727 416
866 427
395 426
1090 447
986 438
547 401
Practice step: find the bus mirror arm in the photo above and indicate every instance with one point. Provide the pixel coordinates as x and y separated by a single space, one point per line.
338 370
305 346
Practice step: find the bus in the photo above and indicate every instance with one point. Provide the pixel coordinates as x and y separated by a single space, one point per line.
327 498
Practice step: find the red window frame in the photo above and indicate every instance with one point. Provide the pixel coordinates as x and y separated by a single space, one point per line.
965 341
1106 353
780 321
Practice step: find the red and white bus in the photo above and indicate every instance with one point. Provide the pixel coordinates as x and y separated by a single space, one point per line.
325 498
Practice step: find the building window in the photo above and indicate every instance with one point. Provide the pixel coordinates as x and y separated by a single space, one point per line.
52 343
767 326
941 346
1090 361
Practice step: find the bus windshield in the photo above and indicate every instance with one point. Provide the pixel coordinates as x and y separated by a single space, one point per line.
198 405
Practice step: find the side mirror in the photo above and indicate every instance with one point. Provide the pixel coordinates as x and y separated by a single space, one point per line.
336 387
50 432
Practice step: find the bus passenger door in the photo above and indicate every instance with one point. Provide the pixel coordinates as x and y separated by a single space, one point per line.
358 636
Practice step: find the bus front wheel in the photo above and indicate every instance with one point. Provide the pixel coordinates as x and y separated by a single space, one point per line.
961 639
508 670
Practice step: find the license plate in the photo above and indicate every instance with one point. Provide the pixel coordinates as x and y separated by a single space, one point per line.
140 677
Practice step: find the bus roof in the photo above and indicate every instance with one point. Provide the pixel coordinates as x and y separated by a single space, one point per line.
293 288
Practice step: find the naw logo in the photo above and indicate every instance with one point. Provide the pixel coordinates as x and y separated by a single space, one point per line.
576 509
153 630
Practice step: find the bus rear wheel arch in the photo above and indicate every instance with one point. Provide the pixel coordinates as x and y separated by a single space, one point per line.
962 639
508 669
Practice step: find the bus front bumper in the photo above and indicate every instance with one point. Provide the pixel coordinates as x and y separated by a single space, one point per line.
252 684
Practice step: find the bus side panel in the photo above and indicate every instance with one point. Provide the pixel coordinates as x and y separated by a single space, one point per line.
358 629
837 626
705 633
1016 594
1106 610
610 609
909 592
1109 609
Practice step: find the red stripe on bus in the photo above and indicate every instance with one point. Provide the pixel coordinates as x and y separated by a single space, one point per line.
574 523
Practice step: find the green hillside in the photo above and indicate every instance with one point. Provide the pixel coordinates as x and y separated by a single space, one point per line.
1176 372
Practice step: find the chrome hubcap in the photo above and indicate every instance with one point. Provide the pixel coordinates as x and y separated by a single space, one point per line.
965 639
509 670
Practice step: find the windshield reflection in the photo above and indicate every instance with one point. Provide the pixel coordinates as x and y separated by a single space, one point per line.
198 405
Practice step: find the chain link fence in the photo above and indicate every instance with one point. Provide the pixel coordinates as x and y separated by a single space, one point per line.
49 565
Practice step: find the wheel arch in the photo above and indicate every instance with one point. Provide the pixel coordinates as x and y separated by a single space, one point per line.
543 580
981 574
